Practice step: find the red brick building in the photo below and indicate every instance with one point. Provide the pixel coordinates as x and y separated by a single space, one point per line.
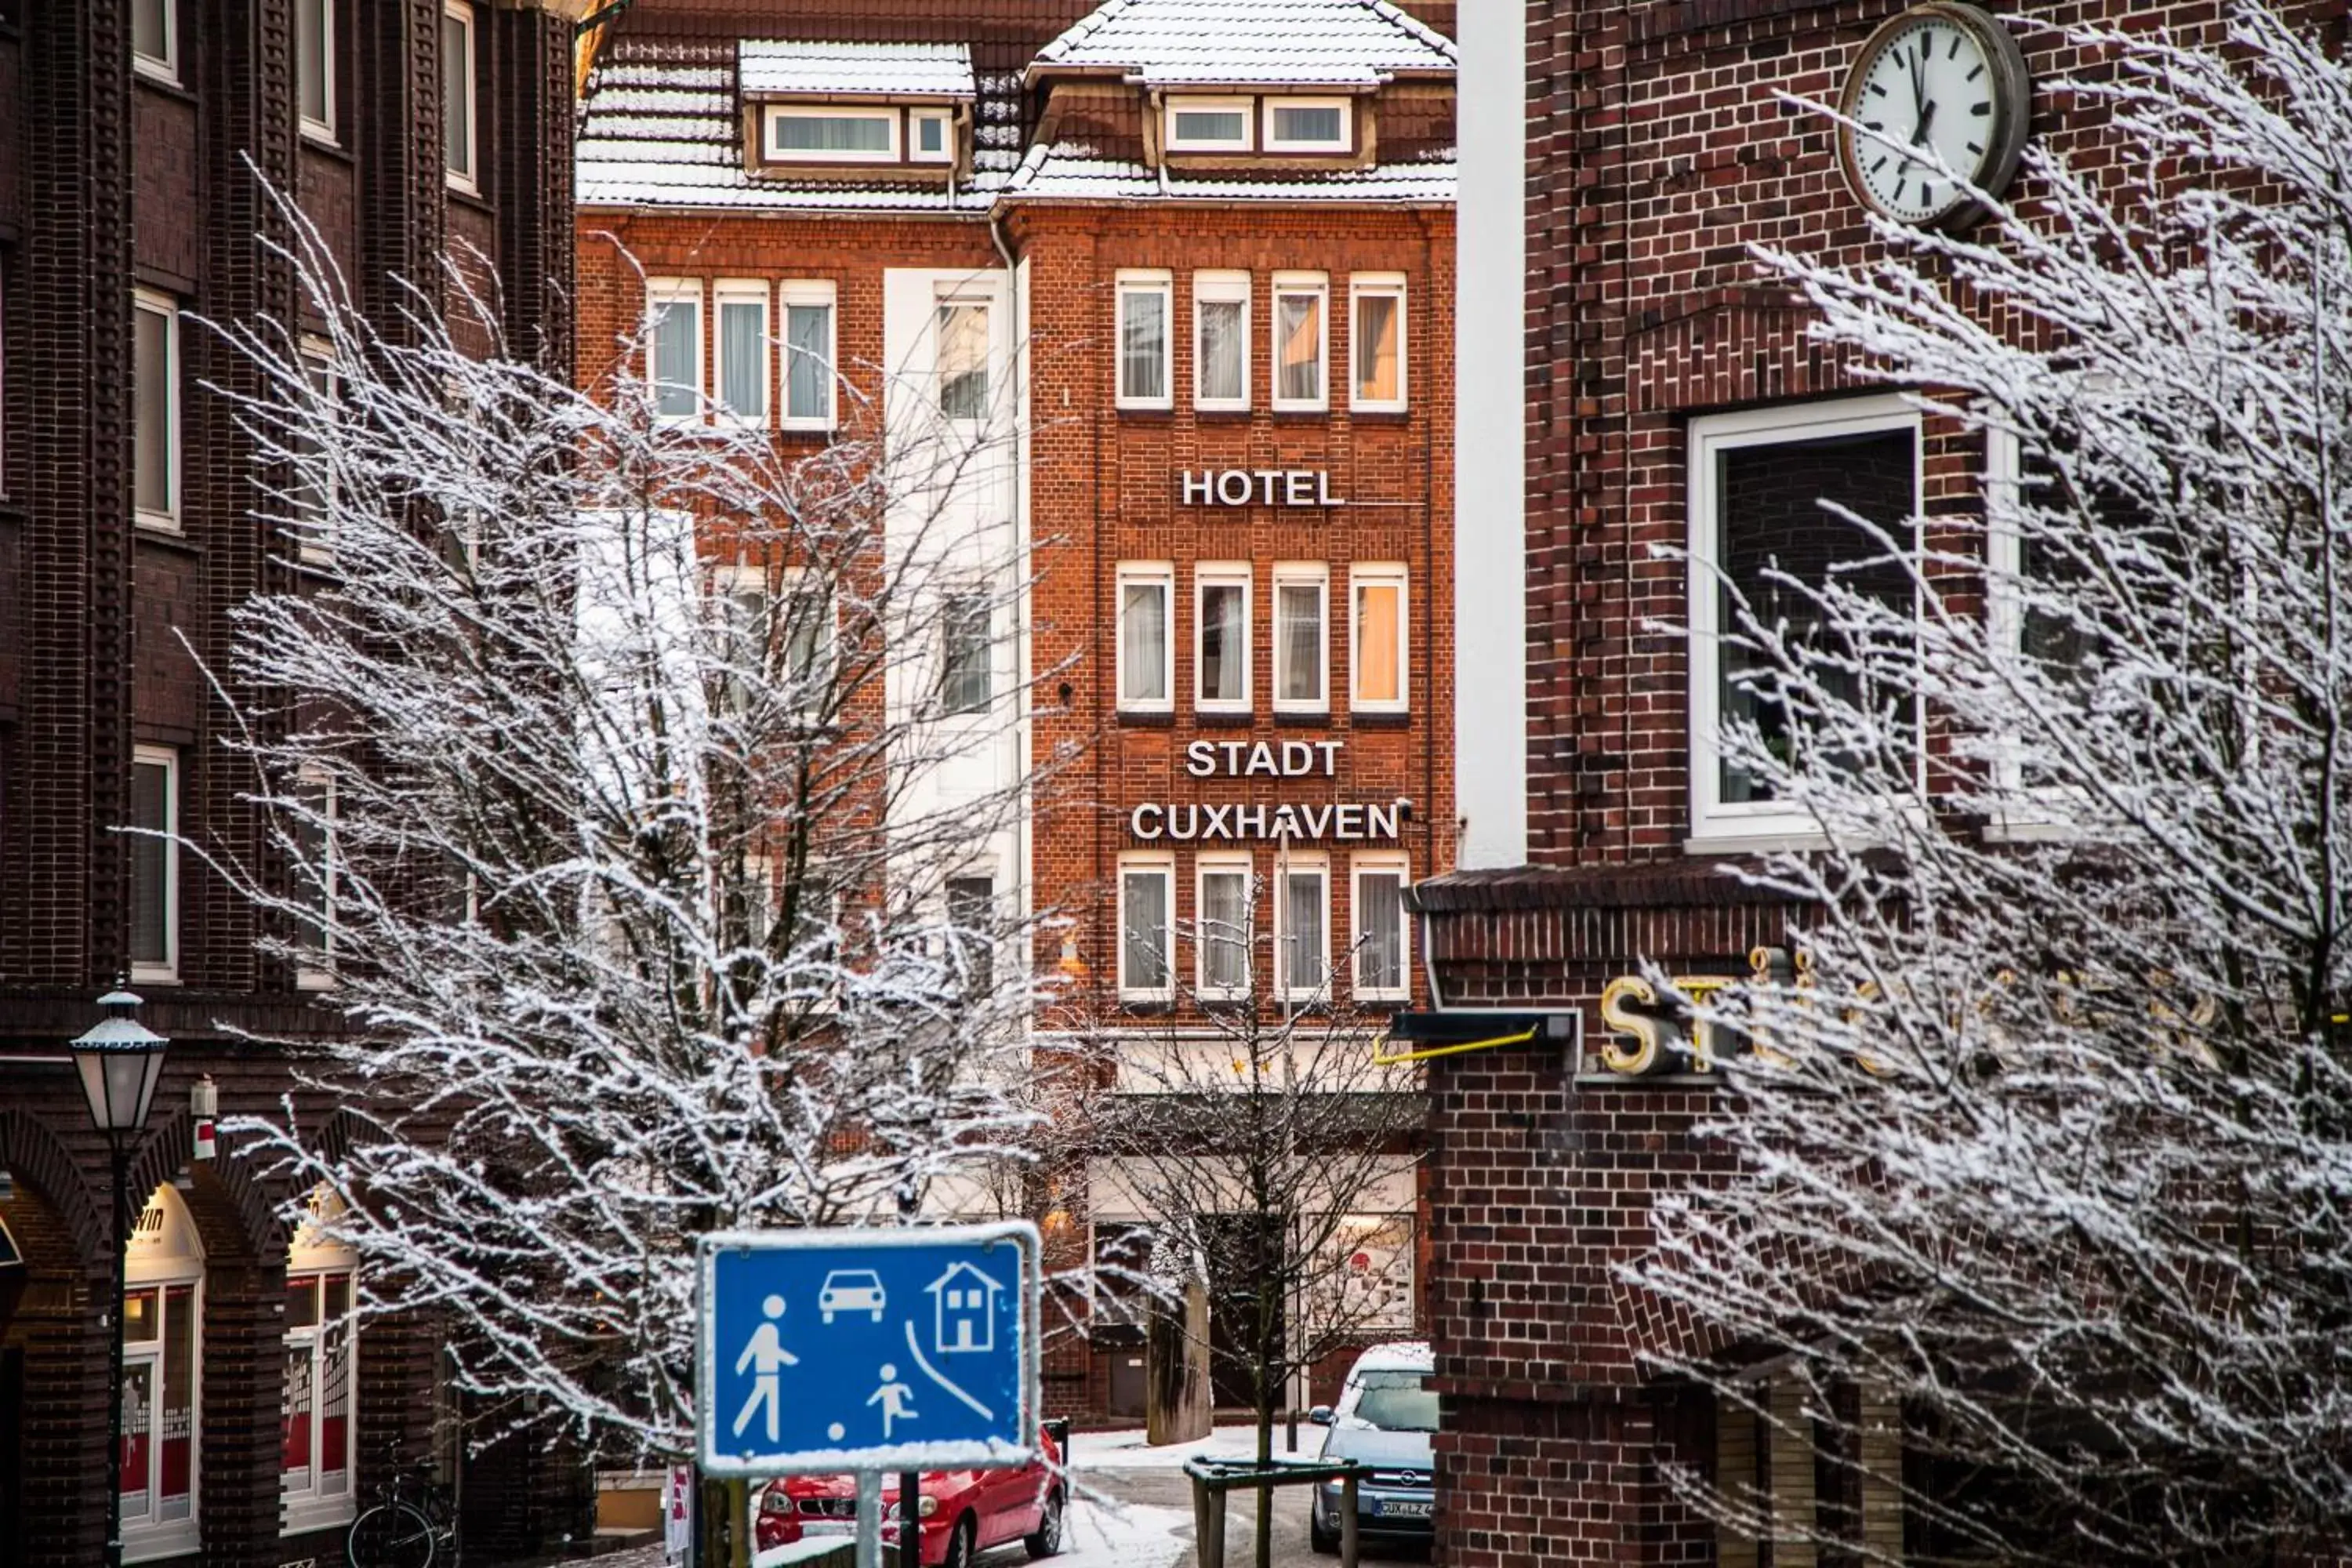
256 1419
1212 255
1673 400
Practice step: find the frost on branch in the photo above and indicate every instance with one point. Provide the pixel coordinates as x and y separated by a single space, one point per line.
2048 1160
622 782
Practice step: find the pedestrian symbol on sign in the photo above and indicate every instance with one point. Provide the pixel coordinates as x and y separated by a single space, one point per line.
765 1357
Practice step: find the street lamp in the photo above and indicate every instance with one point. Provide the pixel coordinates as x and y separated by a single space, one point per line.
119 1058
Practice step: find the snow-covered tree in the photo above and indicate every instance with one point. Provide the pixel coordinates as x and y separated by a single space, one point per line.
623 783
2042 1136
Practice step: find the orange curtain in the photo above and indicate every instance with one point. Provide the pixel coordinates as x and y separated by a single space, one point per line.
1378 671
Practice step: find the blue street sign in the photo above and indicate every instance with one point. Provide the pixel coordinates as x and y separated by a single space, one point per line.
828 1351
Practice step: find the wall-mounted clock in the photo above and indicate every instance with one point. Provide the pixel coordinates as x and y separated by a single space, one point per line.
1943 76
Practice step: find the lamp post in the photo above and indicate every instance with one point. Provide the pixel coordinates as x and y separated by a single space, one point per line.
119 1058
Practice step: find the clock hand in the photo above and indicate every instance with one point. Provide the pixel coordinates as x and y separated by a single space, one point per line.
1927 117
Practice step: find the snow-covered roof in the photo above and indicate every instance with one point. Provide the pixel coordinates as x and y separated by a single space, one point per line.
1250 43
777 67
1075 175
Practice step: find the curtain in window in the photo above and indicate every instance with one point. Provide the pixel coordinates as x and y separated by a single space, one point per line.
1224 643
152 439
1143 960
744 357
1301 618
1376 347
1380 924
677 331
1143 344
833 134
1143 638
310 57
151 861
1300 328
1221 325
1306 949
1224 917
457 96
1378 677
808 344
963 360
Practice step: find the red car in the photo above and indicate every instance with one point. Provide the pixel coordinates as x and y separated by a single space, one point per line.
965 1512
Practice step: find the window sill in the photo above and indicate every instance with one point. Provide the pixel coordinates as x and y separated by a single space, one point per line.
1762 842
1147 718
1225 719
155 73
175 1540
1150 1003
317 138
1154 411
1302 410
167 538
1311 718
307 1515
153 976
1379 717
1238 413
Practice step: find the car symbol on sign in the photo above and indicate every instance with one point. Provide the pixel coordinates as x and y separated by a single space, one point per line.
850 1290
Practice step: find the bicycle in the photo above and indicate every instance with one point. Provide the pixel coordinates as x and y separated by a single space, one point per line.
408 1528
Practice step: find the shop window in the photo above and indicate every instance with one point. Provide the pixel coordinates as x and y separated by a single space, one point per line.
154 850
1378 638
1301 342
1209 126
800 133
317 1432
966 653
963 358
316 875
1147 899
1382 941
163 1317
459 151
1302 642
155 409
1309 125
1145 657
1221 934
932 136
673 334
808 355
1222 627
1143 368
1376 305
1766 490
739 312
314 66
1374 1287
1302 928
1221 340
155 38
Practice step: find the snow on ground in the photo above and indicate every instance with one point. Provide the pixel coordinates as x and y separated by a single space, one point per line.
1129 1535
1128 1450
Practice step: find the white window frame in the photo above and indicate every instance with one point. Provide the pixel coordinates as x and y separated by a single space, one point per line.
165 67
1159 575
728 291
807 292
1162 866
1371 863
1291 283
168 520
146 1540
1297 575
468 176
1719 827
315 544
322 975
1220 286
1271 142
1195 104
317 130
1132 283
945 300
167 973
972 592
2039 813
1366 575
1289 864
1377 286
306 1508
945 120
660 293
775 114
1211 574
1204 866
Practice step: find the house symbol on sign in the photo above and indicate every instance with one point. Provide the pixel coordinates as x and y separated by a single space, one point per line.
964 1312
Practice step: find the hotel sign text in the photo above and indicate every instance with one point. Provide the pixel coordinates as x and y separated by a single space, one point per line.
1257 486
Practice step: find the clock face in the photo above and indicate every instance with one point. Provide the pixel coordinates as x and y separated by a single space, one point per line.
1939 84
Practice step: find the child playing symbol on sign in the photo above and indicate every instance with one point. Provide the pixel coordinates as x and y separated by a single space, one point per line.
765 1357
892 1397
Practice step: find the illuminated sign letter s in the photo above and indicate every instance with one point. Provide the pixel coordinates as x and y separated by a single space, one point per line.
1618 1000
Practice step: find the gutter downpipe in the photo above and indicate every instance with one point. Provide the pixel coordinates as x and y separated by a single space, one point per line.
1024 825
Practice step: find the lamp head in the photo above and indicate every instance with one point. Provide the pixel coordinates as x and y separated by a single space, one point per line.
119 1059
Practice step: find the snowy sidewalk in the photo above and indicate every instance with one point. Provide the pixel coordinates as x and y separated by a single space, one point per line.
1127 1450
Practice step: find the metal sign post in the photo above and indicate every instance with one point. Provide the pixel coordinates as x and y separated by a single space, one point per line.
865 1353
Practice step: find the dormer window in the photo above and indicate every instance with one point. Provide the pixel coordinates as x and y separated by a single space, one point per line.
930 136
1209 126
1308 125
811 133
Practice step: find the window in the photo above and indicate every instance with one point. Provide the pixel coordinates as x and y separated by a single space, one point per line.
1221 935
1309 125
933 139
155 37
811 134
741 312
1222 624
971 917
1378 635
966 653
1301 341
312 492
163 1314
1146 660
155 436
1209 126
1376 305
807 605
673 334
1221 340
963 359
1762 488
459 151
1301 644
1302 928
1143 309
154 863
808 355
316 876
777 646
317 1431
1147 896
1383 941
314 66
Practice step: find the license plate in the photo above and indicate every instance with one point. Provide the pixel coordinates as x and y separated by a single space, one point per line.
829 1527
1387 1508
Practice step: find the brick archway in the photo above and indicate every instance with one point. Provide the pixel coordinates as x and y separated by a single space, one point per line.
53 1352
